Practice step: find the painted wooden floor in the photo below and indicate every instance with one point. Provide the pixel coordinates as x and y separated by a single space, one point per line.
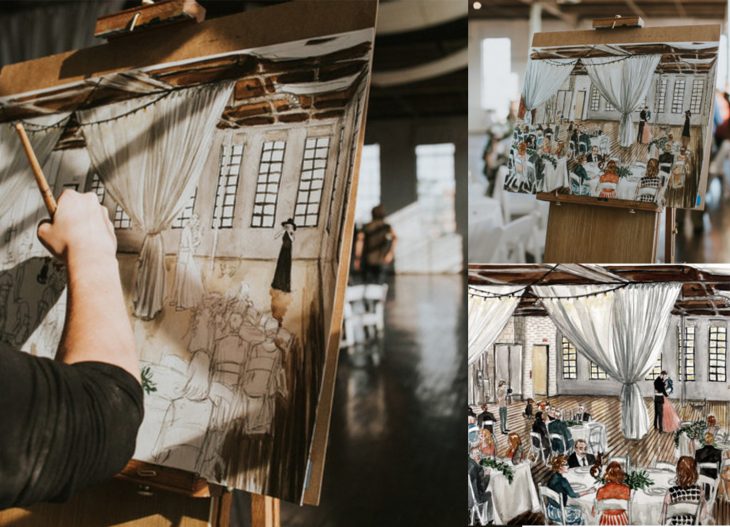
653 447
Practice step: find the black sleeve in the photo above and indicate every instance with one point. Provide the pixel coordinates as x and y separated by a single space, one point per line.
64 426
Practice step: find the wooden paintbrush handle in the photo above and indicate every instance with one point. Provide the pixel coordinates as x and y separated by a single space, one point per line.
40 179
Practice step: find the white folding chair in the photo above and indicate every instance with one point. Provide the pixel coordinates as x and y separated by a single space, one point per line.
594 439
613 505
709 487
682 508
546 494
663 465
487 242
480 511
517 236
536 446
489 425
347 338
374 297
709 466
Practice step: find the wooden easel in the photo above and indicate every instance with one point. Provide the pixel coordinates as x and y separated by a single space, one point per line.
585 229
143 493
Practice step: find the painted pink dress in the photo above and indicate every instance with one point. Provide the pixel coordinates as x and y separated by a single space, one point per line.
670 419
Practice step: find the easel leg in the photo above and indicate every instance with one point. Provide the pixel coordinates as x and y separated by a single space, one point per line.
220 515
670 230
265 511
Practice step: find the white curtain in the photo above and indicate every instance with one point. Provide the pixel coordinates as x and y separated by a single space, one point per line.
624 83
150 161
621 330
543 79
489 312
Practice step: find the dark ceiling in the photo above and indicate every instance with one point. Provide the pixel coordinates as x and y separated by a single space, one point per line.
441 96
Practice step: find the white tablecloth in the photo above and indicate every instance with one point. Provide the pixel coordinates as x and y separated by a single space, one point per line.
511 500
556 177
646 509
584 432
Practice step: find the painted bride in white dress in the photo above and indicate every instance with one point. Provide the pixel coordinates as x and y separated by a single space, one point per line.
189 288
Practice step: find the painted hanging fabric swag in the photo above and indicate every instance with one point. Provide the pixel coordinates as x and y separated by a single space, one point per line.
150 161
543 79
489 312
624 83
621 330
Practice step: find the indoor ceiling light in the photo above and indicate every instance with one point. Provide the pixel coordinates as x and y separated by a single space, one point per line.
477 5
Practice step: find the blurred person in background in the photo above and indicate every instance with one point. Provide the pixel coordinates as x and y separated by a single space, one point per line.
375 248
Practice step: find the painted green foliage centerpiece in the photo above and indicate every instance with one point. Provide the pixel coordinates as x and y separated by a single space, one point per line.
504 468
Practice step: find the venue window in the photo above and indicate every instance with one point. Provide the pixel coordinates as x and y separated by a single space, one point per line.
698 89
686 353
595 101
436 184
121 219
225 194
187 212
97 187
311 182
570 370
655 371
368 185
718 347
597 373
499 83
660 96
678 96
267 184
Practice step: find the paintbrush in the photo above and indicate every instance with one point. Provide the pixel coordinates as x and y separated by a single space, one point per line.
40 179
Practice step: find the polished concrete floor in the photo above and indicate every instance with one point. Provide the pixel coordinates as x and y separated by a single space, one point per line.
705 237
396 446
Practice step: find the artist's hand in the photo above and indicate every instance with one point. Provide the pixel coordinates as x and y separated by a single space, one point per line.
80 229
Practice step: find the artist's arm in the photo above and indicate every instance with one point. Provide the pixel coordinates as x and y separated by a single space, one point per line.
359 245
97 325
391 250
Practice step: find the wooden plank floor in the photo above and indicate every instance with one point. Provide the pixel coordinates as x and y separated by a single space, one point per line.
652 447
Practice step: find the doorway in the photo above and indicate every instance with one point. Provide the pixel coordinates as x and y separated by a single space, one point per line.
580 102
540 369
508 367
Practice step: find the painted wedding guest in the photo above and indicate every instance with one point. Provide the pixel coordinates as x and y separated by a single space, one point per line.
670 418
502 405
559 483
282 274
486 415
681 169
578 185
478 475
559 427
660 392
650 184
709 454
487 446
71 422
582 414
540 428
515 451
594 156
712 426
685 128
529 408
613 489
667 157
581 457
609 180
685 490
644 135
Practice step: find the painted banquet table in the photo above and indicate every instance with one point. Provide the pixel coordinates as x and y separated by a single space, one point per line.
646 505
512 499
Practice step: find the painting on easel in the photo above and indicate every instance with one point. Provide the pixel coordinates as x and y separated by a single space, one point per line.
229 181
628 120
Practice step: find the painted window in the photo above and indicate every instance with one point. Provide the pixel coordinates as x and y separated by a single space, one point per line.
678 96
595 101
225 195
698 90
499 84
368 187
121 219
660 95
609 107
597 373
655 371
334 178
717 352
686 353
311 181
187 212
267 184
570 368
436 186
97 187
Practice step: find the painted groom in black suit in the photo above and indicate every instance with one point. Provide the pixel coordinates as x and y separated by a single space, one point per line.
660 391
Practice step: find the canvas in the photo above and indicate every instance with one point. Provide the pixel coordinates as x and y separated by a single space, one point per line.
235 362
626 120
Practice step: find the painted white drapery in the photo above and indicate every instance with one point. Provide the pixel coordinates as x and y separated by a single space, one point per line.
543 79
150 161
624 83
621 330
489 314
